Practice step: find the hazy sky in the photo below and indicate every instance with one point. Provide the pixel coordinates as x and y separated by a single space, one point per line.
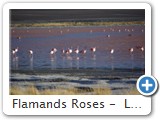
21 15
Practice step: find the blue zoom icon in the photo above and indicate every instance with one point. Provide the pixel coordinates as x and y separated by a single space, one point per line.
147 85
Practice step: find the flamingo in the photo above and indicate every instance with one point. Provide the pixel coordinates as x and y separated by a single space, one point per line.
31 54
132 56
77 58
84 51
77 51
112 51
131 50
16 50
31 59
53 51
93 49
142 48
69 57
63 51
112 58
70 50
15 58
14 53
67 52
18 37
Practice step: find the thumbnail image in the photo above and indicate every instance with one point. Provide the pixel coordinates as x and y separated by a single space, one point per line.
76 51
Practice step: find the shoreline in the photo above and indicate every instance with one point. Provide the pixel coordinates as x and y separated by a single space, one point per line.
76 24
74 82
89 71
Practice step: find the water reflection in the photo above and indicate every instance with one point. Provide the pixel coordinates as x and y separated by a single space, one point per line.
15 62
77 62
93 58
31 63
132 60
69 61
112 62
53 63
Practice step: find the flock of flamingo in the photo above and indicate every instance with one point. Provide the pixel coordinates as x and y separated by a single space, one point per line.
76 51
69 51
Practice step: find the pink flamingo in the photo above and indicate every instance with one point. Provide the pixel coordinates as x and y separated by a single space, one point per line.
16 50
53 51
112 51
131 50
63 51
112 57
142 48
83 52
31 59
67 52
31 54
76 50
14 53
132 57
69 57
15 58
93 49
70 50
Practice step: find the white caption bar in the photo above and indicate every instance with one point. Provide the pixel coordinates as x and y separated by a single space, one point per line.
78 105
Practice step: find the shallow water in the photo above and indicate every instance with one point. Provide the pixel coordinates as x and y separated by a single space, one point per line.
42 40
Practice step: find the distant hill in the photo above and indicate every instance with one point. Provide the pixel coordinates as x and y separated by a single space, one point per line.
75 15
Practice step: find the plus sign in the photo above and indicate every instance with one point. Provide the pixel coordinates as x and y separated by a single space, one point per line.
147 85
